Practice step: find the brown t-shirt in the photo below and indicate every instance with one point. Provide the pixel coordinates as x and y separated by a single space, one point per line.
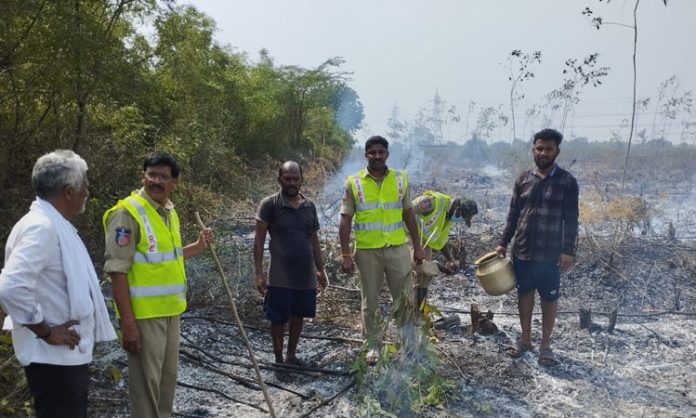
291 231
123 233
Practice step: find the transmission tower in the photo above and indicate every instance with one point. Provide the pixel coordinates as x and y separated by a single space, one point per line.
436 117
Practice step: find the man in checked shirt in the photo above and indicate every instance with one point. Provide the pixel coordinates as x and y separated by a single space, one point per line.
543 218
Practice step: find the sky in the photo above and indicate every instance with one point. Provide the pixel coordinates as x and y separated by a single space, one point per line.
400 52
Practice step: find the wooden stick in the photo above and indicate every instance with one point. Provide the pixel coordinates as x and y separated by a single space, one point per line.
252 357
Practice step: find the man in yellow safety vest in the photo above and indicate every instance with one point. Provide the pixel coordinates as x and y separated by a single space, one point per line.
145 260
436 214
376 199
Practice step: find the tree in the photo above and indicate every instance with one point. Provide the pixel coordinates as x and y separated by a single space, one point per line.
578 75
348 108
453 117
518 64
78 75
420 132
488 120
469 111
671 101
597 22
396 129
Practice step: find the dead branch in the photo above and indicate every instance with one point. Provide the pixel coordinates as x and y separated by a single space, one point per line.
244 381
451 360
627 315
337 339
311 337
606 350
306 368
7 362
347 289
329 400
307 371
217 392
239 379
659 337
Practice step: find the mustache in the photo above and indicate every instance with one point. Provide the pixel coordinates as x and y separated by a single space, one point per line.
156 187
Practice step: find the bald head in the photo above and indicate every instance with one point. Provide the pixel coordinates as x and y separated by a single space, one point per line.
290 178
289 166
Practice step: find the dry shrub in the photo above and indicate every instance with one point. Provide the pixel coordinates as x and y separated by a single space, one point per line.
15 400
623 210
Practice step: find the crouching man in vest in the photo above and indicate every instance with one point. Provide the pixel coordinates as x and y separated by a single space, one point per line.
377 197
145 260
436 214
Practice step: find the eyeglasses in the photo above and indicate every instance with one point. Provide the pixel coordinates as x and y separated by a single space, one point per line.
164 178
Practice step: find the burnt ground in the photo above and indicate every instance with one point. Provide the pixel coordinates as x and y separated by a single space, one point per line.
646 367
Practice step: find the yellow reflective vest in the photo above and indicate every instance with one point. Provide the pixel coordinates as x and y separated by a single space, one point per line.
378 210
434 225
156 279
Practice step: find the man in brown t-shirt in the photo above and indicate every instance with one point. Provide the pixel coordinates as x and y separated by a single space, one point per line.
296 262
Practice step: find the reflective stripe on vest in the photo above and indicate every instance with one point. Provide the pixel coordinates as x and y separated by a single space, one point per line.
435 223
158 257
156 278
172 289
379 210
379 226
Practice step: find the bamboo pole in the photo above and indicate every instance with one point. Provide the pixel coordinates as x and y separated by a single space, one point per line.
252 357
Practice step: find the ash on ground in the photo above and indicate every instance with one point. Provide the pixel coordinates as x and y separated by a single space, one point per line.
645 366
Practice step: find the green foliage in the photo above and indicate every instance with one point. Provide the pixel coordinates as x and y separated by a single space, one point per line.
408 374
78 75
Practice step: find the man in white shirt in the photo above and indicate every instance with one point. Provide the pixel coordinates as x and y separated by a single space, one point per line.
50 290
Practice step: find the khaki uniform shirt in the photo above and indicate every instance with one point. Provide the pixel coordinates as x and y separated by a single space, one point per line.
120 246
348 200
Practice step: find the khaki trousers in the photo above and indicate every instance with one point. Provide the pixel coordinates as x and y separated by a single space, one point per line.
152 373
394 262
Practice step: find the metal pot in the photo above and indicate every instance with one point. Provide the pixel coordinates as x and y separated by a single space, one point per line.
495 274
